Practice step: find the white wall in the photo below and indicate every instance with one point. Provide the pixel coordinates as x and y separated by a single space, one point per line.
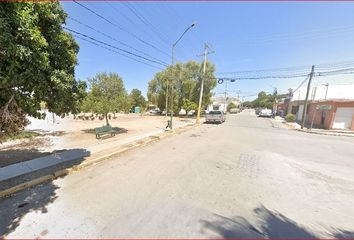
221 106
334 92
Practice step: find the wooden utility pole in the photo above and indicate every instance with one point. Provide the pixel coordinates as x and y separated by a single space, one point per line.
206 52
307 97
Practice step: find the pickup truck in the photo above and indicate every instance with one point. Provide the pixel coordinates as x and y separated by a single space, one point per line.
215 117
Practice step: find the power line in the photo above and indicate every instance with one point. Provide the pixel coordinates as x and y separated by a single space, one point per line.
114 39
119 12
109 45
295 69
285 69
109 49
187 49
121 28
327 73
302 83
128 18
339 71
146 22
267 77
333 32
174 14
293 75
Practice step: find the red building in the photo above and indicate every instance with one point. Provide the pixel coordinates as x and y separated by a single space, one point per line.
331 114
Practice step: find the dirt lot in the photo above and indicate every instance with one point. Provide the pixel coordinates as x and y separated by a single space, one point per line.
67 133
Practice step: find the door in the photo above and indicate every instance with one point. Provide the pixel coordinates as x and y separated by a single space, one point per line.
343 118
299 113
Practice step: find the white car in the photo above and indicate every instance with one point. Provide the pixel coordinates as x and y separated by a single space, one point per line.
215 116
265 112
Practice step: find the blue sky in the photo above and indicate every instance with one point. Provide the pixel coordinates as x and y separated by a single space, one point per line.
244 36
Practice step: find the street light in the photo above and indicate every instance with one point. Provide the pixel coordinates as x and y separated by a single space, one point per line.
173 53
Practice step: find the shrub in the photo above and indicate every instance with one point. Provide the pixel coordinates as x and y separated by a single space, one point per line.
290 117
19 135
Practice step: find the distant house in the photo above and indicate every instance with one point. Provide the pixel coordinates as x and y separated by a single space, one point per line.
218 103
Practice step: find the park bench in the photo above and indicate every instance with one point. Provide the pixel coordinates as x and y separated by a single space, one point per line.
104 130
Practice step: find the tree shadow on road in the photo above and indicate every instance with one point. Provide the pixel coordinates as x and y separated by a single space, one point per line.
13 208
237 227
271 225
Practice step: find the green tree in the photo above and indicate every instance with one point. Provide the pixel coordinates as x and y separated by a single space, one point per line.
37 63
230 106
188 105
265 100
185 79
136 99
157 88
247 104
107 94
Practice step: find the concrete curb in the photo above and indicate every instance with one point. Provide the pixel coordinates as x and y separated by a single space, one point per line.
291 127
324 133
282 124
60 173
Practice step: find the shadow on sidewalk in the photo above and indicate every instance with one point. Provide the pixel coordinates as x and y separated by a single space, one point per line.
14 208
12 156
37 198
271 225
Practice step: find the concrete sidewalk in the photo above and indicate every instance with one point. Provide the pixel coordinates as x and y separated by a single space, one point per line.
22 168
281 123
328 132
89 154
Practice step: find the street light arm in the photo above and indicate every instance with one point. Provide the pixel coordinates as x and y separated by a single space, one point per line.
185 31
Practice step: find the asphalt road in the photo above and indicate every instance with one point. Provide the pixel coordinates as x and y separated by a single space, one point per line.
242 178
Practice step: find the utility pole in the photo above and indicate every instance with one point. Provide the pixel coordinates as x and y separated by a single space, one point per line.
225 96
307 97
172 72
291 94
206 52
166 106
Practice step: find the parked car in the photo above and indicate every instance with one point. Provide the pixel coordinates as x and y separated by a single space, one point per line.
155 111
192 113
215 116
257 110
235 110
265 112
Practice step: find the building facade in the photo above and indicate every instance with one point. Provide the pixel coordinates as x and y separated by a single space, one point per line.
331 114
219 103
329 106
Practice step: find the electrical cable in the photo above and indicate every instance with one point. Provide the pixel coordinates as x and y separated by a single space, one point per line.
114 39
146 22
137 60
120 49
121 28
302 83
